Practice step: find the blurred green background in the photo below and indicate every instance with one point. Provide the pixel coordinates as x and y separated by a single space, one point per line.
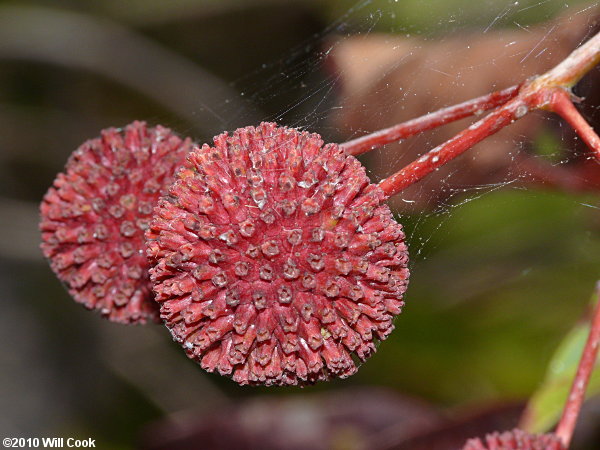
496 281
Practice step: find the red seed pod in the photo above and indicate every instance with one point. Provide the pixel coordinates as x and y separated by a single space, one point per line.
274 259
516 440
93 218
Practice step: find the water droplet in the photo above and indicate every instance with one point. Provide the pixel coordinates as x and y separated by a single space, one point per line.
521 111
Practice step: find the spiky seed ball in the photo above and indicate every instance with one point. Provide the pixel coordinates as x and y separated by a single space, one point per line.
516 440
275 261
94 216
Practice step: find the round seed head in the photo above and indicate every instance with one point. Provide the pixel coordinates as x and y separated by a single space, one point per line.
316 286
516 440
94 216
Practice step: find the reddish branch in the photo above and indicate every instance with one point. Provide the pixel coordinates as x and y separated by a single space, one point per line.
567 422
429 121
440 155
550 91
561 438
563 106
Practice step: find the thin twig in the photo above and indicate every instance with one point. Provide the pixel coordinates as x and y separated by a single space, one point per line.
549 91
562 105
460 143
567 422
429 121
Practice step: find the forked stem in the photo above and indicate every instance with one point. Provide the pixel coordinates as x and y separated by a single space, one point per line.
550 91
450 149
566 425
562 105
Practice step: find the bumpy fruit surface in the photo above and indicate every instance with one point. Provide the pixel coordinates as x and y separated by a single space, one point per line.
275 261
516 440
94 217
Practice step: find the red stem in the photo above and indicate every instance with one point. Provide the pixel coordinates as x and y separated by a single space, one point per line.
547 91
532 96
450 149
562 105
566 426
428 121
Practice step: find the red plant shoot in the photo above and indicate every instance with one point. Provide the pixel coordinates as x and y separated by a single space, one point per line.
561 438
587 363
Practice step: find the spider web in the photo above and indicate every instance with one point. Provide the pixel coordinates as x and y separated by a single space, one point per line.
315 96
485 243
486 240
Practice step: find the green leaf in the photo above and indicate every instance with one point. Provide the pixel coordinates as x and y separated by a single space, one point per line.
546 405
